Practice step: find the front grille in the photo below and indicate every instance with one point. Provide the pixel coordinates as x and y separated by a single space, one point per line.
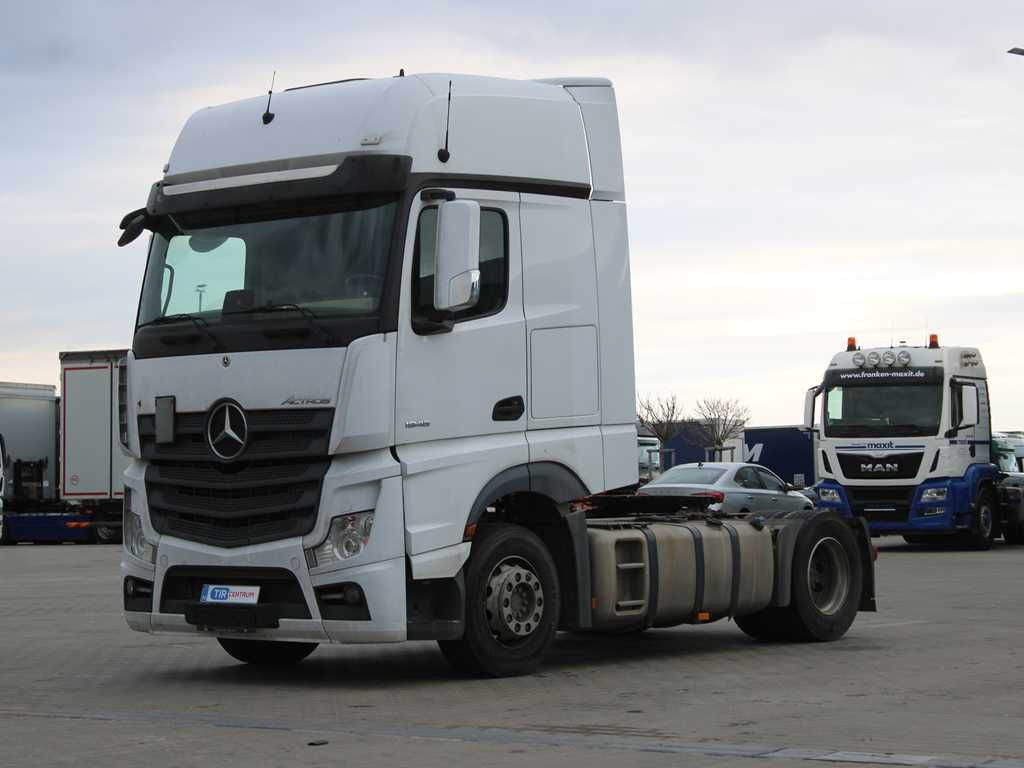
900 466
881 504
271 492
278 587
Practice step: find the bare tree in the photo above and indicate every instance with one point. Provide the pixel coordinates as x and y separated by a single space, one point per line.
662 415
721 419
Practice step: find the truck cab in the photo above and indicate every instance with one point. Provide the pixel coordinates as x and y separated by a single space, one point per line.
904 441
373 316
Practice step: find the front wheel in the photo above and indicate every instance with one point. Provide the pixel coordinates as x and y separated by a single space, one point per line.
983 527
512 602
827 580
266 652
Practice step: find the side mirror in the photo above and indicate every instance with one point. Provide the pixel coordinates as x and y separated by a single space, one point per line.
809 399
969 406
133 223
457 256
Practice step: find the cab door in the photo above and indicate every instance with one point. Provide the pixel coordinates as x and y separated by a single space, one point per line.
460 400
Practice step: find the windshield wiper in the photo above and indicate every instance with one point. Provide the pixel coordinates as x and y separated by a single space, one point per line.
198 322
312 320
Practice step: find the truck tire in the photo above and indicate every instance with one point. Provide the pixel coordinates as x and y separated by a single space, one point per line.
983 525
826 587
266 652
1014 533
512 602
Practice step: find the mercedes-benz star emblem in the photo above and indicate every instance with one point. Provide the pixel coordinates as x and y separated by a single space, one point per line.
227 431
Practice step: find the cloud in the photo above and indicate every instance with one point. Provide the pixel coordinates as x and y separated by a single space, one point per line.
795 173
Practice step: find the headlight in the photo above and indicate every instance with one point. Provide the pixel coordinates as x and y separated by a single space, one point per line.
134 539
858 359
933 494
903 358
829 494
888 357
347 537
874 358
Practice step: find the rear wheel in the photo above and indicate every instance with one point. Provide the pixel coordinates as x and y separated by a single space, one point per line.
1013 534
826 581
982 528
512 601
266 652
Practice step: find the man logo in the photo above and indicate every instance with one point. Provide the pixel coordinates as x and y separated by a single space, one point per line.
879 468
227 431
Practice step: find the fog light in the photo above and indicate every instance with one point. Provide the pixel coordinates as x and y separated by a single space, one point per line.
933 494
347 537
134 538
934 512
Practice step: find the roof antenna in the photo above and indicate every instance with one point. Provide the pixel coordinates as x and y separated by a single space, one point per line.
443 154
268 115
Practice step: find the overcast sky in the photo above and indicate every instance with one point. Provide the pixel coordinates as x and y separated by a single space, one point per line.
796 172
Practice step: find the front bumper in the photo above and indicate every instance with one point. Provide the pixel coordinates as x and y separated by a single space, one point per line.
353 483
904 512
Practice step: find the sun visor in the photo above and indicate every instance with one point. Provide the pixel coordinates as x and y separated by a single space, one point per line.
322 176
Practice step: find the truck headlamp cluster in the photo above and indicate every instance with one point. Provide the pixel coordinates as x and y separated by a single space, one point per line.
347 537
829 494
933 494
135 541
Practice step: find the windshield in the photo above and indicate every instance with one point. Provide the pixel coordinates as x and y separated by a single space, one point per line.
690 476
331 263
883 410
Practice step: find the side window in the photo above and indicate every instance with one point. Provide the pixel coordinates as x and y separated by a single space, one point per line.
493 265
771 482
747 478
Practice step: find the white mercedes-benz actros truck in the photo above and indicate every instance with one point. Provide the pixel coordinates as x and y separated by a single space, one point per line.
381 384
904 441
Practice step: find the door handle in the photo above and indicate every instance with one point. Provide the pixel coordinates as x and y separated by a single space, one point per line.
509 409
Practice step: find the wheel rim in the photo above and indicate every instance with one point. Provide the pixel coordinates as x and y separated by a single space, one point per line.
514 601
985 520
828 575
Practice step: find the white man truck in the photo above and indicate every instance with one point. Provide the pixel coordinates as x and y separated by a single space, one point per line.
382 375
905 439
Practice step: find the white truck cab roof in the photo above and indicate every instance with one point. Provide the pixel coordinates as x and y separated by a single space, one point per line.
562 131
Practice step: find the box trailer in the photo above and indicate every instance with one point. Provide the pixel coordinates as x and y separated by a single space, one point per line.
62 455
788 451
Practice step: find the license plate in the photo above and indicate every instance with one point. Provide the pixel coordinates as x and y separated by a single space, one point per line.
229 594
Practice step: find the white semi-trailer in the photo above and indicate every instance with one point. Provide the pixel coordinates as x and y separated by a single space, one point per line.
382 375
62 457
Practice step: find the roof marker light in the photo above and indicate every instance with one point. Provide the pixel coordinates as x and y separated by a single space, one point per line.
851 343
933 341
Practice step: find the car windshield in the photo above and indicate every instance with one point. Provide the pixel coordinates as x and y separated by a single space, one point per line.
330 263
690 476
883 410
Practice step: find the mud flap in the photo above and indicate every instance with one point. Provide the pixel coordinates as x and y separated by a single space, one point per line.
788 530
